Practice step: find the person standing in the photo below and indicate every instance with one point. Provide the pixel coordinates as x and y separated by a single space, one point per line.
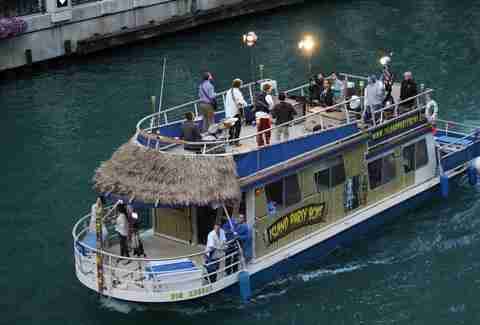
208 103
316 88
215 249
326 97
408 89
244 233
190 133
98 211
337 87
374 96
234 105
283 112
121 227
263 106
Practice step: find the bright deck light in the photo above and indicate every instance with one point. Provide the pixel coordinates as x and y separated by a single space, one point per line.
385 60
250 39
306 44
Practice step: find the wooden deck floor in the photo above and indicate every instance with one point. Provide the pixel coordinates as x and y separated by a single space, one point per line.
160 247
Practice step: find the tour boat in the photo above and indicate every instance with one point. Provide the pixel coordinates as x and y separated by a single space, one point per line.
335 178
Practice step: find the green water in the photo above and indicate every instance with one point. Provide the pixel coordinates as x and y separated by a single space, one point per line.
60 124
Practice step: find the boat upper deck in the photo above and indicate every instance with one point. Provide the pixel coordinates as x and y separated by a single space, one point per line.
313 127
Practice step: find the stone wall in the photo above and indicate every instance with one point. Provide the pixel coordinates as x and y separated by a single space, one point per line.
57 32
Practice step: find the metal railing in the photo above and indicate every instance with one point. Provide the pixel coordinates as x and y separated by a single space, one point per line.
462 135
127 277
81 2
174 114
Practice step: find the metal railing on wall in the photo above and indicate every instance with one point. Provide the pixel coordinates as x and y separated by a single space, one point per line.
18 8
81 2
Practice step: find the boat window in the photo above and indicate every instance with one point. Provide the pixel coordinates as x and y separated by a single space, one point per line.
415 156
338 174
388 169
292 190
409 158
381 171
284 192
322 180
421 154
330 177
375 173
274 192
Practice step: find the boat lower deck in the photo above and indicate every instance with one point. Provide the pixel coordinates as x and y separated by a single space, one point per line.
159 247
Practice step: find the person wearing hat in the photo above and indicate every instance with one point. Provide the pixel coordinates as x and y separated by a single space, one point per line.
208 103
234 105
263 106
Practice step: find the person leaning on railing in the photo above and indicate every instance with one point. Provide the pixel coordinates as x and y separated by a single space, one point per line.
208 102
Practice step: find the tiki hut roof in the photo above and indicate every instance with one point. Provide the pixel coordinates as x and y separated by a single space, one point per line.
158 178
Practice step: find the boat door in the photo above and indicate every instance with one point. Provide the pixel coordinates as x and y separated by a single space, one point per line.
206 217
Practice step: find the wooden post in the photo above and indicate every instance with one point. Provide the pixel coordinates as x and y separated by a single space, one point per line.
99 257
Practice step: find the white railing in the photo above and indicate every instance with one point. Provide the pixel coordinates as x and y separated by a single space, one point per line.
160 119
129 277
463 134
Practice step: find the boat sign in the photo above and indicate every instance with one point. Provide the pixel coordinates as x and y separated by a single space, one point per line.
306 216
395 127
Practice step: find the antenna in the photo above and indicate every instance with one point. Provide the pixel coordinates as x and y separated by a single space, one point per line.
160 102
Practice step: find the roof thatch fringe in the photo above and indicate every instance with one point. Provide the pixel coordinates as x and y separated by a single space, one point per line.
153 177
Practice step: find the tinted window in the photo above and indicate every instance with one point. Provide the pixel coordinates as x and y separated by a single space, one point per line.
322 180
274 192
338 174
421 154
388 169
375 173
292 190
409 158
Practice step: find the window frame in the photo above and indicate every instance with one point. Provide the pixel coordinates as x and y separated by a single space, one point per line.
299 195
416 149
386 155
330 166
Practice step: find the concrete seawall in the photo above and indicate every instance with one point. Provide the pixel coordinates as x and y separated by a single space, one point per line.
98 25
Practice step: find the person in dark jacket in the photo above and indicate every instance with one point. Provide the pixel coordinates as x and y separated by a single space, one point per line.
190 133
326 98
263 105
316 88
408 89
283 112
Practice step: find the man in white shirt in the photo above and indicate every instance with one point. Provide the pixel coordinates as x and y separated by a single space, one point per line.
215 249
234 105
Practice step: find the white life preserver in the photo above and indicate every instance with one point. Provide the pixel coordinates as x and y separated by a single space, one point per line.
431 111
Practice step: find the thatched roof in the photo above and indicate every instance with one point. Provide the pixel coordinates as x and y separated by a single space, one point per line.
153 177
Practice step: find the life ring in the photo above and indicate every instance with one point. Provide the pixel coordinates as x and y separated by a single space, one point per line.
431 110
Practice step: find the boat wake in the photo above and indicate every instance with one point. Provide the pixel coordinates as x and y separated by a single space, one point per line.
120 306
